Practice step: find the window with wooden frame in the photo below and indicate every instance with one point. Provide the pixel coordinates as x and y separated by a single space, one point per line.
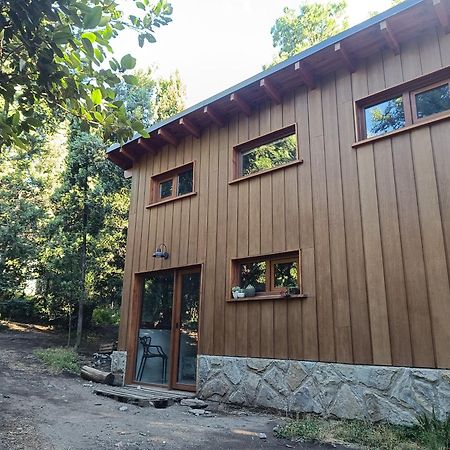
266 152
175 183
277 275
414 102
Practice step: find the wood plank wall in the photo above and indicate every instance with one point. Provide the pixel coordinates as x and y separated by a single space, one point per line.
373 224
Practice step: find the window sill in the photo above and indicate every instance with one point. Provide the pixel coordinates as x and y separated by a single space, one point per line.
263 172
171 199
422 123
267 297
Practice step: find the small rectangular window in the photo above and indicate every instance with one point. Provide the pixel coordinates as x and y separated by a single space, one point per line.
383 117
266 152
172 184
264 276
432 101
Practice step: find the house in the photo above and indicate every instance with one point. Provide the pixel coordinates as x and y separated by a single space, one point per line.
320 190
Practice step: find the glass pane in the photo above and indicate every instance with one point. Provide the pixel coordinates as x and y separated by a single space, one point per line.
154 343
185 182
432 101
187 362
253 273
385 116
270 155
165 189
286 274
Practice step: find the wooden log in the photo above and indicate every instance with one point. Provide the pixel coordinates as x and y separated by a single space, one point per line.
89 373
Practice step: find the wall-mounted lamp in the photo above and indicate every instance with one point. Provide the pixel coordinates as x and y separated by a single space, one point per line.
161 252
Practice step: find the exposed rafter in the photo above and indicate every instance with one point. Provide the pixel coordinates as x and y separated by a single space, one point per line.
190 127
120 159
389 37
240 103
214 115
306 73
146 146
270 90
343 53
167 136
128 153
442 14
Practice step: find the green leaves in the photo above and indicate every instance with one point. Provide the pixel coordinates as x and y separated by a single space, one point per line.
96 96
92 18
127 62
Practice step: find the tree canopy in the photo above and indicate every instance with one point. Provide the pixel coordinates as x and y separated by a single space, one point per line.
56 57
295 31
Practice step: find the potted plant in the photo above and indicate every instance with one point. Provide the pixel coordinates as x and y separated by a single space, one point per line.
293 290
250 291
235 291
241 293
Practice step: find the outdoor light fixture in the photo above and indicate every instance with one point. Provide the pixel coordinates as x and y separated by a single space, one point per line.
161 252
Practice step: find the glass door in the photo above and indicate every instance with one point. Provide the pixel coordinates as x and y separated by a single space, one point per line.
186 320
154 342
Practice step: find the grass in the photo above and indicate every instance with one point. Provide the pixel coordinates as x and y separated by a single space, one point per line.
59 359
429 434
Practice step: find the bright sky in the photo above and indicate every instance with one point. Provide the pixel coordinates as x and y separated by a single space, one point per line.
218 43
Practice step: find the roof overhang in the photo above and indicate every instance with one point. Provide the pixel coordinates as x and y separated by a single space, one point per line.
345 50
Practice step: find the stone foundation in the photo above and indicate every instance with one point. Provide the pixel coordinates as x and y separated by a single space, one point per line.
118 367
392 394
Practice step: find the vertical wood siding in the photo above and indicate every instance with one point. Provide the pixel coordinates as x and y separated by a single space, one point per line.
373 224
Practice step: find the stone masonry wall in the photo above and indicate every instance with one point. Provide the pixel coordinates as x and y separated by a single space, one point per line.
393 394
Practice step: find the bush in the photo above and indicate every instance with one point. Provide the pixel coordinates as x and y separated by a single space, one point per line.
18 309
59 359
105 316
433 433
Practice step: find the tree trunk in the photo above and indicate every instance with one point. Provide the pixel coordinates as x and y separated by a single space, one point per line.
89 373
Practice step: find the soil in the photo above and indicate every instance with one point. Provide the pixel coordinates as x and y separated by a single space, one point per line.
43 411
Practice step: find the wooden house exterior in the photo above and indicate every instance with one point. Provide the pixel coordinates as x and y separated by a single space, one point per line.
366 216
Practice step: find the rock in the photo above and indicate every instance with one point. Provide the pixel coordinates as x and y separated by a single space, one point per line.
217 387
194 403
306 399
295 375
232 371
197 412
347 405
123 408
262 435
258 365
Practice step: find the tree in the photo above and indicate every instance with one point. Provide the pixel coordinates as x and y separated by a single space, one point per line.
294 32
57 53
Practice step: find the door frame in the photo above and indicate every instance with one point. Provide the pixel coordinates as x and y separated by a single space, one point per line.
135 319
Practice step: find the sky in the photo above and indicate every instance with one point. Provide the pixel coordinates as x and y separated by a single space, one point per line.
215 44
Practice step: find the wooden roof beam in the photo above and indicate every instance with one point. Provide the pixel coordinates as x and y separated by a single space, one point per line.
214 115
389 37
128 154
240 103
167 136
146 146
270 90
442 14
120 159
190 127
341 50
306 74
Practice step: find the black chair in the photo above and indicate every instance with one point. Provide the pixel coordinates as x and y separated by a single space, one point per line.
149 352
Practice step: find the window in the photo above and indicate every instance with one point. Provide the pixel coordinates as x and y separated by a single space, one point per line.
265 276
408 104
175 183
267 152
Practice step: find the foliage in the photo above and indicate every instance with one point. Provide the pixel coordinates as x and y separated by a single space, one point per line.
105 316
374 436
18 309
433 433
58 53
59 359
169 99
294 32
384 117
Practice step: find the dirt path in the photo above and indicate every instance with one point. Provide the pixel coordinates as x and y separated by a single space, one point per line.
39 411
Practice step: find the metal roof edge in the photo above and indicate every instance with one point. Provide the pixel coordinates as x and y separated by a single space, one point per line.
280 66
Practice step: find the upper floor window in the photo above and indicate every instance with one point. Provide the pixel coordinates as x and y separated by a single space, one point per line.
266 152
173 183
408 104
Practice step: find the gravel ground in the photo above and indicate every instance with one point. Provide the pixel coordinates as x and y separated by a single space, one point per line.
41 411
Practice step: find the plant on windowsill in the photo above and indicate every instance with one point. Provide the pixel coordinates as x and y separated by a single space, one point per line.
237 291
250 291
293 290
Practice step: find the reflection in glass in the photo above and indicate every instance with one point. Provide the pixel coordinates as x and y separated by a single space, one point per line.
433 101
285 274
185 182
383 117
156 322
253 273
165 189
187 362
270 155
